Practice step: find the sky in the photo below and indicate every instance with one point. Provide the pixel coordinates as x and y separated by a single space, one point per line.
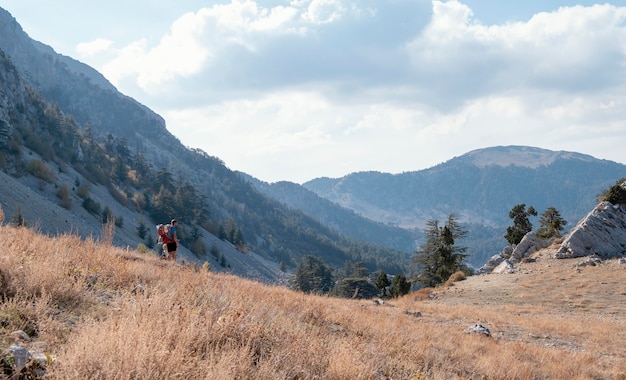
300 89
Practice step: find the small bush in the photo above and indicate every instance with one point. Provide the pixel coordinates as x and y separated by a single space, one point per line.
82 191
455 277
63 193
92 206
38 169
422 294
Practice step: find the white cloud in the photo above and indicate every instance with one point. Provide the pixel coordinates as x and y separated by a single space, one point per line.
324 11
92 48
327 87
562 51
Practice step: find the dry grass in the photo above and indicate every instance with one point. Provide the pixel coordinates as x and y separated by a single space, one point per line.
106 313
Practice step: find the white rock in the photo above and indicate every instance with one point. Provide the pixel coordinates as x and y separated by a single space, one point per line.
602 233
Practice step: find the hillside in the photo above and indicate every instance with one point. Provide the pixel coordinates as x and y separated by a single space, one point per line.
481 187
75 307
69 117
343 220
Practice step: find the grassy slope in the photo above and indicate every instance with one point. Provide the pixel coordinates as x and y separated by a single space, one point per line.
108 313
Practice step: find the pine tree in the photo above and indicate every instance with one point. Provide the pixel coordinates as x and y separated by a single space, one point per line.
551 224
382 282
399 286
439 257
521 224
312 276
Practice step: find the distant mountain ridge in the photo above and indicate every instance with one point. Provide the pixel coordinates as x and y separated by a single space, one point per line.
340 219
522 156
480 187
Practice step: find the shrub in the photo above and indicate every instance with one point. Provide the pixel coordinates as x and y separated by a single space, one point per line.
422 294
92 206
82 191
38 168
455 277
615 194
63 193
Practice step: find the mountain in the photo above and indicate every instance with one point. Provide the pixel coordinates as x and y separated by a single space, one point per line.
343 220
65 127
481 187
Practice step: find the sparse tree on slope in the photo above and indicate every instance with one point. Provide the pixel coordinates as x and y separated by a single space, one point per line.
521 224
551 224
615 194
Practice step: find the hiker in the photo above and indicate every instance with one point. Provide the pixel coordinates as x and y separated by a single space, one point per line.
172 244
168 239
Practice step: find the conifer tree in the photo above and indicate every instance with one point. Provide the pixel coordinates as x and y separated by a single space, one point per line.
382 282
312 276
521 224
551 224
439 256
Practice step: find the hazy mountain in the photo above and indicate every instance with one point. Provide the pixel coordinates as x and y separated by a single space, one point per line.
54 109
341 219
480 187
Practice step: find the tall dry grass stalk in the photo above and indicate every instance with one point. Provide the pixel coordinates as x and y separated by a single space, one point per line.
108 232
105 313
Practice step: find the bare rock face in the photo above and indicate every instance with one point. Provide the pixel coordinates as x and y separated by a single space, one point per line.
505 261
602 233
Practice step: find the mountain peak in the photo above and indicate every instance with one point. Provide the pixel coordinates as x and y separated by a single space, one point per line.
521 156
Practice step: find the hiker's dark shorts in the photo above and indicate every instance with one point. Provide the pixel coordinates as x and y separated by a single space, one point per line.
171 247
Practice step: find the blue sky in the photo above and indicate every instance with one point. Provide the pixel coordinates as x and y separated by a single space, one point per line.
295 90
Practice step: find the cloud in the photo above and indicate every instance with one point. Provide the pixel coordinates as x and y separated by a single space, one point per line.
88 49
341 85
557 51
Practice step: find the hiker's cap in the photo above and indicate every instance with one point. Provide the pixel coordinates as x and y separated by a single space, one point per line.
173 221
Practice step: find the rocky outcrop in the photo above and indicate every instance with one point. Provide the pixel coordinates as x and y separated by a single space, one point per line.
530 244
602 233
512 254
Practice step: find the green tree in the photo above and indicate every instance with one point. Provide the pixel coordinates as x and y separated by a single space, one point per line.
353 287
399 286
382 282
521 224
312 276
551 224
163 178
440 256
615 194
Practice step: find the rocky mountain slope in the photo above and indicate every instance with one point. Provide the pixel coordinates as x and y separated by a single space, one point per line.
81 97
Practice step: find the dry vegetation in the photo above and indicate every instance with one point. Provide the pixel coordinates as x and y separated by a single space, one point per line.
106 313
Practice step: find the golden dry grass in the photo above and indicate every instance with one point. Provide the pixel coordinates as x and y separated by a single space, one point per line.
107 313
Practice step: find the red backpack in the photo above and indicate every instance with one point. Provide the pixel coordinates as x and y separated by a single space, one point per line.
164 232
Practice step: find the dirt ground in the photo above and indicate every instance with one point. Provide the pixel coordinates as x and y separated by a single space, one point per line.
557 285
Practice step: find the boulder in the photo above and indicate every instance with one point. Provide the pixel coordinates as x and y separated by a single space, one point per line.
495 260
601 233
505 267
530 244
478 329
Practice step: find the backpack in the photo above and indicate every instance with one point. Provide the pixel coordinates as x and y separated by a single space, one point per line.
164 231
